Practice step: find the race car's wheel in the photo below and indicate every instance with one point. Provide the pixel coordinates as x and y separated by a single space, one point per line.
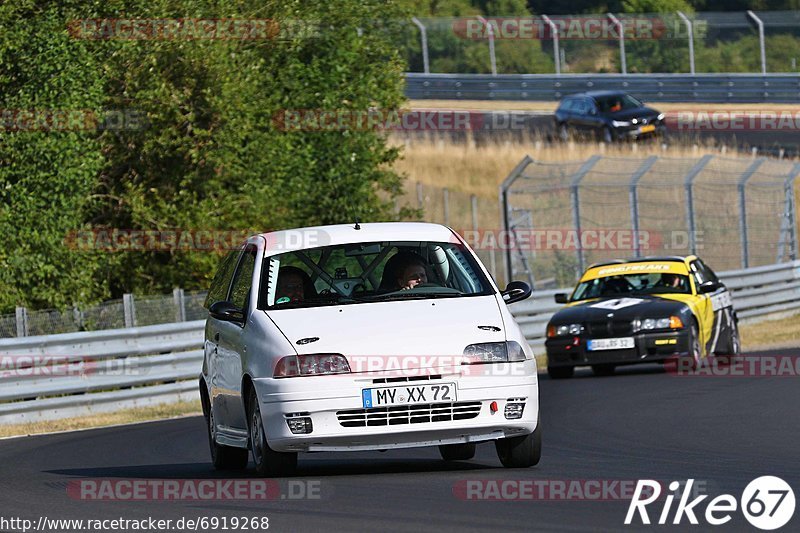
563 132
457 452
560 372
521 452
695 357
224 457
268 461
603 370
733 348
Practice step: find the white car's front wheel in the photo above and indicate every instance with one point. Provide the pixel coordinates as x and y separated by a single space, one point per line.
521 452
268 461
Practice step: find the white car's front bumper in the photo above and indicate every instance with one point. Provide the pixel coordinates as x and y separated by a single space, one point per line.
330 400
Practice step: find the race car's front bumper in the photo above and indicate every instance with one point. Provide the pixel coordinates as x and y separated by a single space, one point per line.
648 347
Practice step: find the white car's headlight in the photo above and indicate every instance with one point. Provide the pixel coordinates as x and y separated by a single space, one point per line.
311 365
493 352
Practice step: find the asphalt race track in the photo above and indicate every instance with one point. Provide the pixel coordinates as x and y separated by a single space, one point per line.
641 423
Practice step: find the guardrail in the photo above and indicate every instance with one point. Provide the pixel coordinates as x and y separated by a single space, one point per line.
77 374
757 293
710 88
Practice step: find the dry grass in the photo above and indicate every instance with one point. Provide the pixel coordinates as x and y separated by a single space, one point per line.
144 414
771 333
480 169
513 105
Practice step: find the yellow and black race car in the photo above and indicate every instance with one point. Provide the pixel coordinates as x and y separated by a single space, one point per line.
645 310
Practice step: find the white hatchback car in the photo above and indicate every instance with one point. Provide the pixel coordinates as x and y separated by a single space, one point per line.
364 337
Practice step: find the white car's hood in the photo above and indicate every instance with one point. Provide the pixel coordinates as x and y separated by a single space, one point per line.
434 327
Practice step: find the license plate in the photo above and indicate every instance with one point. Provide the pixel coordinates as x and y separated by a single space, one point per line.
647 129
408 395
620 343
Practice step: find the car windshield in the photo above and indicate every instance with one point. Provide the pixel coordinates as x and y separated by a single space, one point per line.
617 102
645 283
370 272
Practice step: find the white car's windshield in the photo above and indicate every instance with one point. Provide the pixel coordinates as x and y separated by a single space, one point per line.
370 272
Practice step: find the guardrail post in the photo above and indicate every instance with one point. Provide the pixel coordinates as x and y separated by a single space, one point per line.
761 44
556 51
423 35
634 199
180 304
22 321
791 211
576 206
743 208
490 34
690 29
129 310
620 29
688 181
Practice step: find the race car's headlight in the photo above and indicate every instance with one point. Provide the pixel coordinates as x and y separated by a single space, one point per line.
493 352
563 329
620 123
661 116
311 365
671 322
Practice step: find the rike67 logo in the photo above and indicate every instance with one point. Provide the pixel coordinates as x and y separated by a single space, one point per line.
767 503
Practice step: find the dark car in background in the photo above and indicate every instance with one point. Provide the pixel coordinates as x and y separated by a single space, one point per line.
608 115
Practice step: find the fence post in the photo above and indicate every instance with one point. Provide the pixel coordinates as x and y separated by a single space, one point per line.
634 200
22 321
791 211
420 198
761 45
687 183
446 206
743 208
129 310
490 34
621 30
576 206
423 35
180 304
556 51
507 183
690 29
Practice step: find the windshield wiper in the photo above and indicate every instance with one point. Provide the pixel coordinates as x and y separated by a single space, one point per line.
409 295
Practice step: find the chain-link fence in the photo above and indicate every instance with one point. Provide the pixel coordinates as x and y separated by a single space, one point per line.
129 311
561 217
704 42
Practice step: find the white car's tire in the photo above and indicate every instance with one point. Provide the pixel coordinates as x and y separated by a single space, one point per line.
268 461
521 452
224 457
